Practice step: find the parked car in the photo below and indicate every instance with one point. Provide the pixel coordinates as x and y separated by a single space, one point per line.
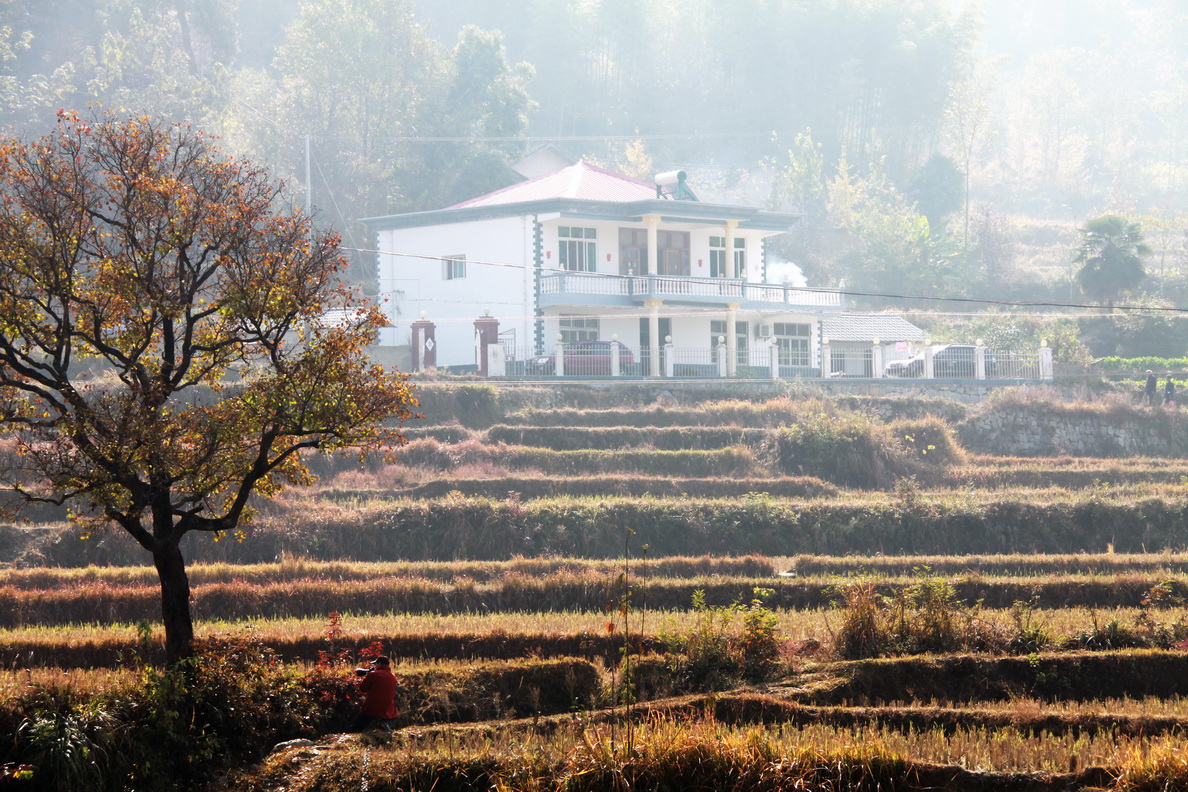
949 361
586 357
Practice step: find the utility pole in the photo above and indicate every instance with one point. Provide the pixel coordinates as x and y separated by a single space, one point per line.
308 183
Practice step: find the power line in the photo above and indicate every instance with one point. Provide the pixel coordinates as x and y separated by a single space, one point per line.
814 289
333 200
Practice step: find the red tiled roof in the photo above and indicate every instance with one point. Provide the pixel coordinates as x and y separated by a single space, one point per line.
583 180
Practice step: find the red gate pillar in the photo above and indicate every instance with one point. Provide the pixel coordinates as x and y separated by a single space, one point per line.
424 346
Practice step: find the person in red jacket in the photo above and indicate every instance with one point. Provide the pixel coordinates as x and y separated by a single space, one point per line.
378 686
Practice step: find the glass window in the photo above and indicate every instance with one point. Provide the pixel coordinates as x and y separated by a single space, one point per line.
578 328
453 267
576 249
718 257
718 268
792 341
741 339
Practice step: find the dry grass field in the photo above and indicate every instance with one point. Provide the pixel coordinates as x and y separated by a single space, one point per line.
731 595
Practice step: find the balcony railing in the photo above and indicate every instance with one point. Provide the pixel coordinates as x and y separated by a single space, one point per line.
723 290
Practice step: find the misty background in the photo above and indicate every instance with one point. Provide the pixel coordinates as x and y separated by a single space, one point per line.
934 147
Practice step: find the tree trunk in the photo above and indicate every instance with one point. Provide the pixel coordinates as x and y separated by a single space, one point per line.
175 601
187 44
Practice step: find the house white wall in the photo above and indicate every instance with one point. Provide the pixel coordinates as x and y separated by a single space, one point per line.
498 277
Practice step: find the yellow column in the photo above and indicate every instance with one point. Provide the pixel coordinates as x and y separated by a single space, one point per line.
653 336
731 339
732 268
653 267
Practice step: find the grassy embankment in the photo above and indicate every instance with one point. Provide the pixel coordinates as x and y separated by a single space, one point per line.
488 558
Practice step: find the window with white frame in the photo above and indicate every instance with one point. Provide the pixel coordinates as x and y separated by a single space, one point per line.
718 329
718 268
576 249
578 328
453 267
793 342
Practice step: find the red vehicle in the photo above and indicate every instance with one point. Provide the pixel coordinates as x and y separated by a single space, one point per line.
586 357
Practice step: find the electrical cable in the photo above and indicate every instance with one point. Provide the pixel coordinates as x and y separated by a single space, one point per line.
815 289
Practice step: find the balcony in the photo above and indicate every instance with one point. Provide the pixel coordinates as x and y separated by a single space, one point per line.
581 288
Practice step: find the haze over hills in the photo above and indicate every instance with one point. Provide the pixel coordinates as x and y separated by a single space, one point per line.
1056 111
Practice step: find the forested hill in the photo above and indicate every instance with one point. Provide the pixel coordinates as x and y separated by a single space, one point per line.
937 146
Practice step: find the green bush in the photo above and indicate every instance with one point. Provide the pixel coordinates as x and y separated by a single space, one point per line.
925 617
930 441
841 447
1140 365
233 700
176 728
726 645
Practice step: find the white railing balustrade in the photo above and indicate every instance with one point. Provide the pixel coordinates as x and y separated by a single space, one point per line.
673 286
577 283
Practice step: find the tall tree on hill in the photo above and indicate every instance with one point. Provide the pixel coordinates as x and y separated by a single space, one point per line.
164 347
164 57
1111 254
395 122
481 110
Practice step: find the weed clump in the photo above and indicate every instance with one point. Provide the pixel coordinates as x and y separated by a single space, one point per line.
924 617
726 645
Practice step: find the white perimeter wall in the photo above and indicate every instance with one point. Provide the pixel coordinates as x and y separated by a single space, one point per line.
413 281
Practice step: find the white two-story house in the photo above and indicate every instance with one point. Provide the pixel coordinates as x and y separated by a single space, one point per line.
583 254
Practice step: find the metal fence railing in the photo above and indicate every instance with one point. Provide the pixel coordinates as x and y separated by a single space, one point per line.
581 359
695 362
1013 365
609 359
858 363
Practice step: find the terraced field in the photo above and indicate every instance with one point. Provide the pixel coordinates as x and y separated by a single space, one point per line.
721 594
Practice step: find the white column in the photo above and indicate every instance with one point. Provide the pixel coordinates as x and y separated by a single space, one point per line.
876 360
929 369
730 261
496 361
614 350
773 359
669 363
653 266
721 356
559 358
731 339
653 336
418 348
1045 361
979 361
826 358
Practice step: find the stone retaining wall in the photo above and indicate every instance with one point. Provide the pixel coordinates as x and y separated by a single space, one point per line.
1034 432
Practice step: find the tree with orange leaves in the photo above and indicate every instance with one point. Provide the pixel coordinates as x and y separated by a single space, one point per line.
165 346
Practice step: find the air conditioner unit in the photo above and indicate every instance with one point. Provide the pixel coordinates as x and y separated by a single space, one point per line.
763 331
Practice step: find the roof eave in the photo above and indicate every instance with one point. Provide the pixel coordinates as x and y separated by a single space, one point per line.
673 211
